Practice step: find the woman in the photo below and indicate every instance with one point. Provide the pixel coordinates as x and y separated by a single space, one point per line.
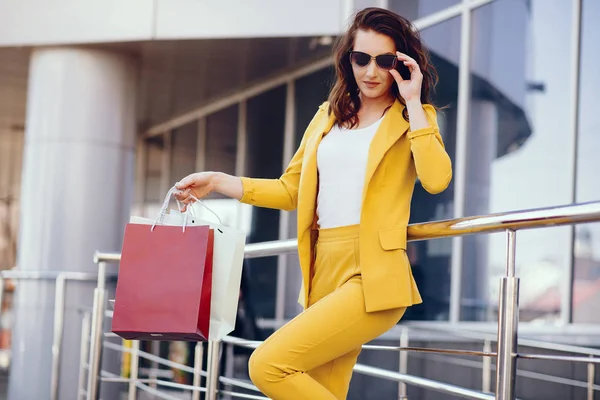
351 180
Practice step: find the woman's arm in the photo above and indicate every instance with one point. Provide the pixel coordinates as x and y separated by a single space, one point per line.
432 163
281 193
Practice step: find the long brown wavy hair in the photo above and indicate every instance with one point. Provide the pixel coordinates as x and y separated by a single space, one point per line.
344 97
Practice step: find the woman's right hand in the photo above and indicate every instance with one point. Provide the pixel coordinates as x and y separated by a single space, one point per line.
201 184
198 185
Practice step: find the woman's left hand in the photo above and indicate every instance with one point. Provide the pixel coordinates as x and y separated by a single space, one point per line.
409 89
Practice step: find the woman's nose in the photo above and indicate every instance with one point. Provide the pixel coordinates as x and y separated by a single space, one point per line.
372 69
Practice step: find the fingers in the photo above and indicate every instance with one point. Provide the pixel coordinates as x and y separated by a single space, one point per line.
410 62
184 196
396 75
185 183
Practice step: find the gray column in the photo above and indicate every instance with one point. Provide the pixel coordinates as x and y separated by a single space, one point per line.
76 192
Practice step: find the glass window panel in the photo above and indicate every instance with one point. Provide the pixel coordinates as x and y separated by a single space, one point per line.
517 158
155 148
265 128
415 9
183 151
430 259
221 140
586 289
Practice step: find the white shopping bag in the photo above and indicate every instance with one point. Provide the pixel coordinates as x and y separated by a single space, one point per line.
228 260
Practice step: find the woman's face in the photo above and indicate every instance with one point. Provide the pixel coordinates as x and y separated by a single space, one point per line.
373 81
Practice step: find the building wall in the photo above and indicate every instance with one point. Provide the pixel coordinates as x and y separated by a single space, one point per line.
39 22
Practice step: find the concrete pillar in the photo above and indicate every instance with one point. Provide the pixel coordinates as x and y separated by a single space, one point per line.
76 192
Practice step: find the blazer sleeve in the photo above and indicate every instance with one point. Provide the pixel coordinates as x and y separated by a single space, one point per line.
281 193
432 163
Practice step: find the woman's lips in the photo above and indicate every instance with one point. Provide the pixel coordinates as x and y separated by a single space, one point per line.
371 85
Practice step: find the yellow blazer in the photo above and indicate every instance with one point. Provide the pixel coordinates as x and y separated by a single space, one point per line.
397 156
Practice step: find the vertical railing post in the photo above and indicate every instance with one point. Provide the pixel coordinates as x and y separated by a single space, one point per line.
83 353
212 380
590 380
486 371
57 334
154 366
229 367
133 370
198 355
508 319
402 395
97 333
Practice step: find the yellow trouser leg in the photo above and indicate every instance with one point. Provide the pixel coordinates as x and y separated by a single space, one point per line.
292 363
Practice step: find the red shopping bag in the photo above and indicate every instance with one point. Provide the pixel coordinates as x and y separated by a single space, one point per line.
164 283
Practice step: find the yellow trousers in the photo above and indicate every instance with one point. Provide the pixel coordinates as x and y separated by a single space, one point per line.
312 356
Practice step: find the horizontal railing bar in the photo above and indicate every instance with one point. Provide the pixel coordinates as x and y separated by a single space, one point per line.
553 357
107 257
178 385
422 382
156 381
17 274
242 395
555 379
116 380
108 374
272 248
238 383
516 220
152 357
432 350
538 344
452 360
525 219
252 344
522 373
155 392
249 344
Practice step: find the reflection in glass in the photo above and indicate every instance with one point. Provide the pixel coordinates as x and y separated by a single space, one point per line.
265 128
415 9
430 260
155 148
517 157
183 151
586 274
221 140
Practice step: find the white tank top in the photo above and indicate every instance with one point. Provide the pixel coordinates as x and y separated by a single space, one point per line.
342 163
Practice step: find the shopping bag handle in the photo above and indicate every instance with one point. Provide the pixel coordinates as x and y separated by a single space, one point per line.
197 200
163 209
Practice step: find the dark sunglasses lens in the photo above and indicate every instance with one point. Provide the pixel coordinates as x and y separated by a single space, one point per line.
360 59
386 61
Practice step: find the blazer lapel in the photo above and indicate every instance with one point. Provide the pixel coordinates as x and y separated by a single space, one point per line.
391 129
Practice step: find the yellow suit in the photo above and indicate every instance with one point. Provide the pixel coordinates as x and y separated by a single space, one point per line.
396 158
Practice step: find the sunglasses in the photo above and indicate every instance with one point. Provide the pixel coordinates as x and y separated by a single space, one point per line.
383 61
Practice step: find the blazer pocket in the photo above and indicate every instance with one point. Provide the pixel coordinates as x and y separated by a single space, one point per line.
393 238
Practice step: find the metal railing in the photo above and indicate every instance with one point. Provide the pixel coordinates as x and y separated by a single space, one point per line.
506 355
590 356
60 279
